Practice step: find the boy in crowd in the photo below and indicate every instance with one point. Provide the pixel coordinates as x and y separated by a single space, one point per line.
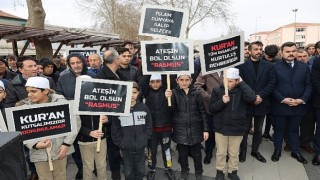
87 140
230 121
156 101
131 134
39 92
189 124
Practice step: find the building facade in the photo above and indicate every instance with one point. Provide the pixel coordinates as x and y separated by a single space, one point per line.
301 33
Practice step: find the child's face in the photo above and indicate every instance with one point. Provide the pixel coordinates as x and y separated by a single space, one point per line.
134 95
184 81
36 95
2 94
155 84
232 83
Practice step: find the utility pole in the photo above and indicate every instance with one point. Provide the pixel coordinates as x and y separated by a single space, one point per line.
295 22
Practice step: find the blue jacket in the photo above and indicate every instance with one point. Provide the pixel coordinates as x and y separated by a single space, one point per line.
262 84
291 83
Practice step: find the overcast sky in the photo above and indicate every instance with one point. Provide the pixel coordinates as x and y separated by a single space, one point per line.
249 15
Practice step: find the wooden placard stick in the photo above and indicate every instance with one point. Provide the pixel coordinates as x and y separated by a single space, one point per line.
99 138
168 87
225 82
49 158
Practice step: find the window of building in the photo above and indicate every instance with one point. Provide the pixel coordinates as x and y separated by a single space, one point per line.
300 44
300 36
300 29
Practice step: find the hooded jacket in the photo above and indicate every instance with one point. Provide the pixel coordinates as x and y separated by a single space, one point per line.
131 133
54 75
189 116
38 155
230 118
66 85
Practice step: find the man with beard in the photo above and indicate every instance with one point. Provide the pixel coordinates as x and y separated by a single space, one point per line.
110 71
290 95
259 75
66 86
95 63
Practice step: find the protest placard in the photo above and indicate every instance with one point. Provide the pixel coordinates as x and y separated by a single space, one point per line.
102 97
167 57
39 121
221 53
3 127
163 21
83 51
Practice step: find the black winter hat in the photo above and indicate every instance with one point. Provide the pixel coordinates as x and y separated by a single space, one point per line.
48 62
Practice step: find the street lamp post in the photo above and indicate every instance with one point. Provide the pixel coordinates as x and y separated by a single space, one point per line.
295 21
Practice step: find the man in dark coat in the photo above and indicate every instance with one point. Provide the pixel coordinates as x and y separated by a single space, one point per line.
291 93
66 86
109 71
16 90
129 71
259 75
315 80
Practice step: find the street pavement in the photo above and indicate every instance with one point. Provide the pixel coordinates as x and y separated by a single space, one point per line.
286 169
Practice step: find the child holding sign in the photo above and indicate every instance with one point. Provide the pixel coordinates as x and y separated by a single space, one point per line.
230 121
131 134
87 140
189 124
39 92
156 101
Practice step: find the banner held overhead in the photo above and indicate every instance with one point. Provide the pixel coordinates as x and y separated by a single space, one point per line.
167 57
163 21
222 53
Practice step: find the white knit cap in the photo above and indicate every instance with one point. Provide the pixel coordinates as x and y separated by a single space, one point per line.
85 76
38 82
180 74
155 77
2 85
233 73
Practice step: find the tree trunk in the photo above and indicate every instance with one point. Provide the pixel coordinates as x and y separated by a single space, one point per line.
36 19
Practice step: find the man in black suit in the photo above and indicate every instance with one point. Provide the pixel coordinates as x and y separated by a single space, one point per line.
315 80
290 95
260 76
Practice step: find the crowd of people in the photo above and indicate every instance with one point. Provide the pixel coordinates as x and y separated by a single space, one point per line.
276 85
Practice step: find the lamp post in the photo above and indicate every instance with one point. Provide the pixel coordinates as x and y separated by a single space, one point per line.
295 21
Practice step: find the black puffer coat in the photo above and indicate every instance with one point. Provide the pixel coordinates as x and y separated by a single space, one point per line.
157 103
189 117
230 118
